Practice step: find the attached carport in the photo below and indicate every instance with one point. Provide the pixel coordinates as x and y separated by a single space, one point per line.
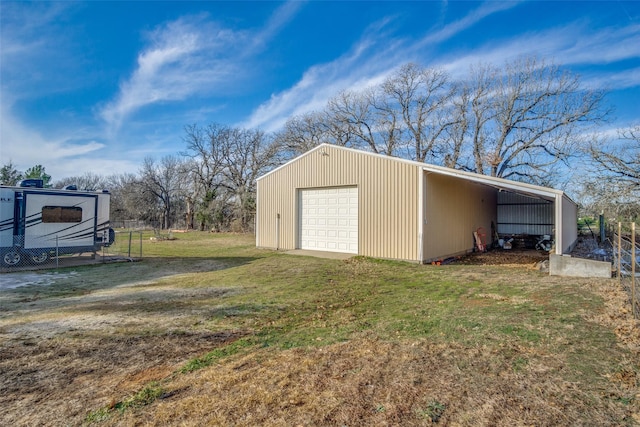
525 209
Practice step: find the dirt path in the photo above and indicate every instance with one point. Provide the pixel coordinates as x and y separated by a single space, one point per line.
61 357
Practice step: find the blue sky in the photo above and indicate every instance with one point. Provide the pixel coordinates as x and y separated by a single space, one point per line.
98 86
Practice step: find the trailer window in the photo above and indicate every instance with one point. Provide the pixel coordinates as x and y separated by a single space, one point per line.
61 214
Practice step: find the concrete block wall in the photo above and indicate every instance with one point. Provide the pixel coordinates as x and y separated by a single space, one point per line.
565 265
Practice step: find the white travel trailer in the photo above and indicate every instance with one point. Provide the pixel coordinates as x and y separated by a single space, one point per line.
38 223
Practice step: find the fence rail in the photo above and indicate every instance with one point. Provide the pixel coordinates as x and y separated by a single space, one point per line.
626 252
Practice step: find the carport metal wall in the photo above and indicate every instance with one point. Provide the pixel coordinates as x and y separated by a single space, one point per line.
388 199
455 208
520 214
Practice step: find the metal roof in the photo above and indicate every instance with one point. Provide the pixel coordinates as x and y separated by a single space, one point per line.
546 193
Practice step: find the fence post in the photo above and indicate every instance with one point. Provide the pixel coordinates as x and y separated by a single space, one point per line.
633 269
619 253
130 237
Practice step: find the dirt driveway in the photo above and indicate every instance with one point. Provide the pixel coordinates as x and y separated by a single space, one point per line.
67 348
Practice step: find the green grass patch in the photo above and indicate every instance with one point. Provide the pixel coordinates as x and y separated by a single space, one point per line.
216 355
144 397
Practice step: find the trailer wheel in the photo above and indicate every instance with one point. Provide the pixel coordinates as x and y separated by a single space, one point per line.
11 258
40 257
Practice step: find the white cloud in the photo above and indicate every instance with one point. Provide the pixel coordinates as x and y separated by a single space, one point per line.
475 16
620 80
366 64
570 45
25 147
187 57
370 61
282 16
376 55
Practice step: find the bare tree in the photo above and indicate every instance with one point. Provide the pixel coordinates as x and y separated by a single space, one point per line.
207 146
615 188
129 200
455 135
224 165
527 117
420 98
620 160
164 180
302 133
247 155
358 114
87 181
477 93
609 197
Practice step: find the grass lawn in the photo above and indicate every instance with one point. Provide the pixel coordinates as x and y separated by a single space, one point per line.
209 330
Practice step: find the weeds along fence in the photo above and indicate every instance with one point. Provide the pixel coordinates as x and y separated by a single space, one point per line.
46 252
626 254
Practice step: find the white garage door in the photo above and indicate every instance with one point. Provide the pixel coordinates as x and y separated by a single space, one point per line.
329 219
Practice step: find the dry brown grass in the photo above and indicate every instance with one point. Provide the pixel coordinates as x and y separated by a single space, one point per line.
55 381
512 346
368 382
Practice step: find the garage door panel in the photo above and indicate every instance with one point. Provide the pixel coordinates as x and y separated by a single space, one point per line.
329 219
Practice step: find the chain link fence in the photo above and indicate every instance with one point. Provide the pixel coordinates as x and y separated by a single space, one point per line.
126 246
626 253
52 253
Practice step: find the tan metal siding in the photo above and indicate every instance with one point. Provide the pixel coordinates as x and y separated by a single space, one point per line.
387 191
455 209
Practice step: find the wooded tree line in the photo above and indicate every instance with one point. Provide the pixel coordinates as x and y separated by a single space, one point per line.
519 121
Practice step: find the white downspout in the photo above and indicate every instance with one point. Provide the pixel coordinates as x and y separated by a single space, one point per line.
277 232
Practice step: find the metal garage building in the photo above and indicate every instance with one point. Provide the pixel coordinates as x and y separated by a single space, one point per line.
344 200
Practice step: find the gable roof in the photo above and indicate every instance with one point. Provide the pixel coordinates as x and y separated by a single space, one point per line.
538 191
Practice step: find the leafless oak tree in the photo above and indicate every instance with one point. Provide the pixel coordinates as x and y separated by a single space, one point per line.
358 114
615 187
164 180
620 160
527 117
516 121
302 133
225 163
421 99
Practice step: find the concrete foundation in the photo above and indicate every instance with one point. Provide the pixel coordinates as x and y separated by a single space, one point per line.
320 254
565 265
